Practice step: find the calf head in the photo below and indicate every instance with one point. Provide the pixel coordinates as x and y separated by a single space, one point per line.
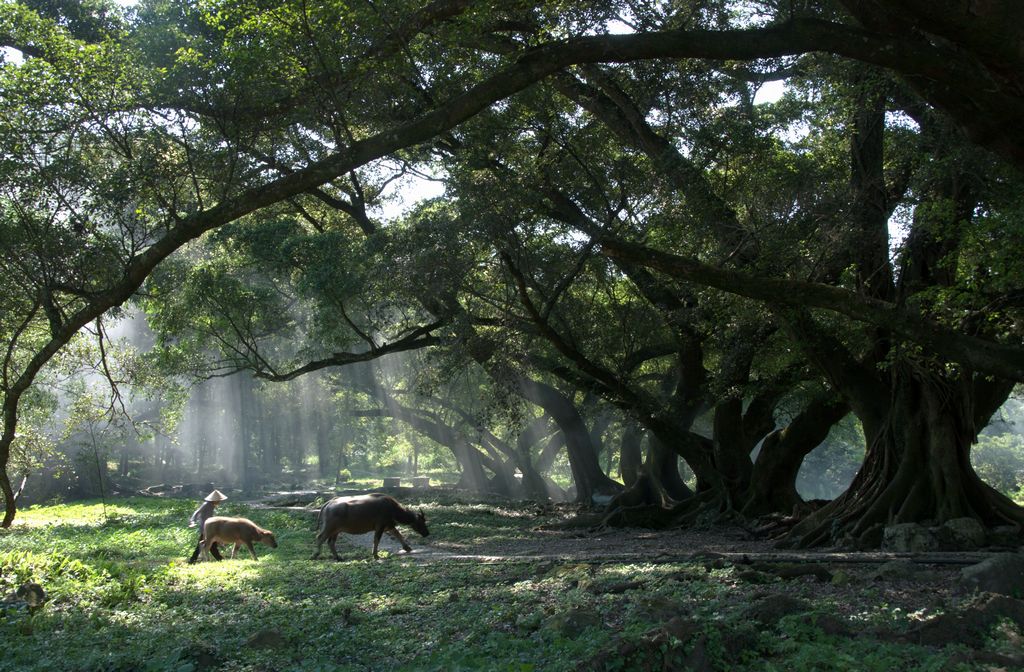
420 524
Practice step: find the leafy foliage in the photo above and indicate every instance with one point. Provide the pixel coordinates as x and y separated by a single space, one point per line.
999 460
248 147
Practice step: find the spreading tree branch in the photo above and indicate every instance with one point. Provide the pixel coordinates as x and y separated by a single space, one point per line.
981 355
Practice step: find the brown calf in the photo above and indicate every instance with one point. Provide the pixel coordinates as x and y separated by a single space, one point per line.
235 531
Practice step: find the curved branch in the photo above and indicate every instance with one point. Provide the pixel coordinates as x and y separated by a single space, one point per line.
911 57
984 356
419 338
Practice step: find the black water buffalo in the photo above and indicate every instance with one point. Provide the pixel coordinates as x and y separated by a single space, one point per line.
375 513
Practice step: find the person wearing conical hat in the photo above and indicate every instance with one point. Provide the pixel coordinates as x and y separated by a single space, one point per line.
199 517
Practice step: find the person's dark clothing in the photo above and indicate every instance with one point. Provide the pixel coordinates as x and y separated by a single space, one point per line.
200 515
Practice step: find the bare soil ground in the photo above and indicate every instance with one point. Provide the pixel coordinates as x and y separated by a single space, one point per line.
616 544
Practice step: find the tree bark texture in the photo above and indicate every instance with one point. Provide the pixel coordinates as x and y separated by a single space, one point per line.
917 468
663 466
583 459
773 482
10 503
630 454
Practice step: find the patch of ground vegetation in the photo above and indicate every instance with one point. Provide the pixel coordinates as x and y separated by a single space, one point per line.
119 596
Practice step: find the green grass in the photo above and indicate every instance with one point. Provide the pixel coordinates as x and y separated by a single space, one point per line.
122 598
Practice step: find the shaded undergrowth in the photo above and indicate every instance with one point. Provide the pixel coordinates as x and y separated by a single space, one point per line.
120 597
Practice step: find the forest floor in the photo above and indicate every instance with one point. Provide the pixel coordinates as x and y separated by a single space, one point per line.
916 584
563 533
496 586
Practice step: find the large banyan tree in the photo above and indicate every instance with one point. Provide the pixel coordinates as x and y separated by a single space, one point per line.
126 135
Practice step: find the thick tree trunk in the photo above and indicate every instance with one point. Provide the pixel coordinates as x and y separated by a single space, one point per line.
598 429
534 486
586 470
917 468
547 456
473 476
503 482
732 450
773 481
663 466
10 503
630 455
698 453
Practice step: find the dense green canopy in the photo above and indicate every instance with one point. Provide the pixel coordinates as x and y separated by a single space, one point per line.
624 224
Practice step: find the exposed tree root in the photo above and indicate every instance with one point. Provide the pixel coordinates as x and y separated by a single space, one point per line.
917 470
705 508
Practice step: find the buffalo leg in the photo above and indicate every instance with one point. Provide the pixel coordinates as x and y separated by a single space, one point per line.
376 542
320 539
211 548
393 531
332 541
200 548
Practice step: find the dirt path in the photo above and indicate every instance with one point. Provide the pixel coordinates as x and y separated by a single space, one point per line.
629 545
639 545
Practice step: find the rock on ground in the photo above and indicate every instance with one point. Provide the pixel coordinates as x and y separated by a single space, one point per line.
1002 574
908 538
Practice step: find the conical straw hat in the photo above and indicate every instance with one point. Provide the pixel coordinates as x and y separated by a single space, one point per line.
215 496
